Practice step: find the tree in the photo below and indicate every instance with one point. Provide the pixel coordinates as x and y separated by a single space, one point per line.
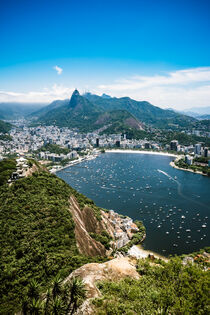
78 294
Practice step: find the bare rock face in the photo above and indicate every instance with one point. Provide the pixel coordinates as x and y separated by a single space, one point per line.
86 222
113 270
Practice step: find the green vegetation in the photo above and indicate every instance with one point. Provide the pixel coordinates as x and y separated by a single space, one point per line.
195 167
85 116
183 138
205 123
78 113
4 127
5 138
131 133
104 238
169 288
38 249
7 167
58 299
32 162
54 148
201 159
85 201
66 161
37 235
144 112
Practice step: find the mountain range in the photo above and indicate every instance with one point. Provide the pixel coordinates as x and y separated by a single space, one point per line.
90 112
14 110
85 115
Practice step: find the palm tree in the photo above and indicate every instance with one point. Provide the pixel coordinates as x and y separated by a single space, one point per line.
78 294
47 301
25 306
57 306
33 290
36 307
57 287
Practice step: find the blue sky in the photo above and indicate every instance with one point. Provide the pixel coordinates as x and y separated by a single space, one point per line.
153 50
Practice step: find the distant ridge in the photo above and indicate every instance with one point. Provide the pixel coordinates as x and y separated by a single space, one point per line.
79 112
14 110
143 111
85 111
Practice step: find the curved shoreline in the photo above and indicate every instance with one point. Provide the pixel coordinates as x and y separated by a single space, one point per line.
79 160
140 152
172 163
90 157
138 251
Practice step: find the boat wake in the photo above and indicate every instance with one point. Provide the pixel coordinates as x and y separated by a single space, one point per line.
166 174
180 190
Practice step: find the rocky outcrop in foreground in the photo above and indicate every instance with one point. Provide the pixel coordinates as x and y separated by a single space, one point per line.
113 270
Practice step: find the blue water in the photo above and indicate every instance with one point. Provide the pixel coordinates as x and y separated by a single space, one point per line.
174 205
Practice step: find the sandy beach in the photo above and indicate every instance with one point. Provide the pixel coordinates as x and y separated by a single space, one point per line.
138 252
79 160
141 152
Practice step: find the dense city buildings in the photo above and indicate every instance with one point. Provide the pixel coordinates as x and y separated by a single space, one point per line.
27 140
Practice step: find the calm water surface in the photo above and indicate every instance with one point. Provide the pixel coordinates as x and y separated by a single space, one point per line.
174 205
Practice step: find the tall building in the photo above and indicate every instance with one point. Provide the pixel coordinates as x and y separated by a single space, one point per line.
118 144
198 149
173 145
206 151
188 160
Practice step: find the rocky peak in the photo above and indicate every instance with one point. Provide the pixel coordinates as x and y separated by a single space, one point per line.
76 92
74 98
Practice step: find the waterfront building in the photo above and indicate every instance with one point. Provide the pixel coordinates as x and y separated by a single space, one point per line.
188 160
206 152
118 144
174 145
198 149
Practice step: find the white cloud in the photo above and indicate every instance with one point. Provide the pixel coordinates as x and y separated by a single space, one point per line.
58 69
46 95
179 89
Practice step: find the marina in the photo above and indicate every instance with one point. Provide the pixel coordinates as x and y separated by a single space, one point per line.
173 205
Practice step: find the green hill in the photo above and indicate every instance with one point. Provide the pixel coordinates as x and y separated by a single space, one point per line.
37 235
38 243
80 113
4 127
84 112
44 110
143 111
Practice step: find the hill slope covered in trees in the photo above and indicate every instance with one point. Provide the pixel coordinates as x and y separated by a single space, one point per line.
4 126
37 235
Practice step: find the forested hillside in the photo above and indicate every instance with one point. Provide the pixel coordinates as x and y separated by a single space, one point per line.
37 236
4 127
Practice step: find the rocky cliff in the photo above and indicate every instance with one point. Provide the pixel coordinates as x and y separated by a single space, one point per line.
85 223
